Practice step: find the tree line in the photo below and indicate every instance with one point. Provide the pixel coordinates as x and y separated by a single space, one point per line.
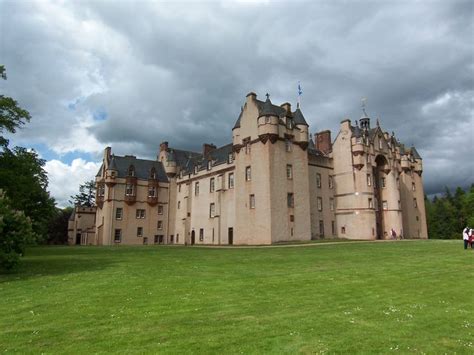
447 215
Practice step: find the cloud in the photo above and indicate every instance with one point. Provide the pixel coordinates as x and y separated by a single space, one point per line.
64 179
114 73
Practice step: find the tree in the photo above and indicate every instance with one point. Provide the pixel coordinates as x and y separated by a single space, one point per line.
24 181
86 195
57 228
16 233
11 115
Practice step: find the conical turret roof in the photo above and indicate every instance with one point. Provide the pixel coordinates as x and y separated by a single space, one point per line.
298 118
268 108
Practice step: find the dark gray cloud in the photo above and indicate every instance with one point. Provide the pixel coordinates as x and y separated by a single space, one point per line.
180 71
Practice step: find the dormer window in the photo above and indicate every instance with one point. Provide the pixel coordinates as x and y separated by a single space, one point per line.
209 164
153 173
131 171
181 174
289 123
196 169
230 158
359 140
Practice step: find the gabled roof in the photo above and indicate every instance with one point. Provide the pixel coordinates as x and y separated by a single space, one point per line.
237 123
142 167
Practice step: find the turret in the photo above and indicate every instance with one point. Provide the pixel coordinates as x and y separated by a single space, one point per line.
301 125
267 120
111 172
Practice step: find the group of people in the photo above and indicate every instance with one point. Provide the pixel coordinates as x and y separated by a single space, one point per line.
468 237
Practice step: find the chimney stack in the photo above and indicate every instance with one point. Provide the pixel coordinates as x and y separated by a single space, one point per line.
107 155
323 141
207 148
287 107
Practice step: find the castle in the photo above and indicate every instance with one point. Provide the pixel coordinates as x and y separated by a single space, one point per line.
272 184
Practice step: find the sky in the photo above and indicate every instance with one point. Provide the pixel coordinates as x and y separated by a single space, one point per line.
131 74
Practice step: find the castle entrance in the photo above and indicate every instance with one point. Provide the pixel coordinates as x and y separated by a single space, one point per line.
379 180
193 237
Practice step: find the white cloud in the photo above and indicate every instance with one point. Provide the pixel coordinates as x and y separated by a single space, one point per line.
64 179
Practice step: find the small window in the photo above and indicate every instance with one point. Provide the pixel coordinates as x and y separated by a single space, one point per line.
247 148
230 158
179 188
145 241
369 180
333 227
343 230
119 213
321 228
331 182
231 180
153 173
118 236
160 209
380 143
252 201
358 140
288 145
101 190
371 203
212 184
290 200
382 182
415 204
171 239
331 204
292 218
177 238
196 169
129 190
201 235
159 225
267 119
179 205
140 214
139 231
248 173
369 159
196 188
212 210
131 171
413 186
289 171
209 164
399 205
384 205
151 191
320 204
318 180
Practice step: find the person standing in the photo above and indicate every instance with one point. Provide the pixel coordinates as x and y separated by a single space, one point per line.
465 237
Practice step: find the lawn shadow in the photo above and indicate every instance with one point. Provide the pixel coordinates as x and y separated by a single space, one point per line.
54 264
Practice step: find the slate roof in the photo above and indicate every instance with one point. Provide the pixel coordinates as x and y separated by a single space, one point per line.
142 167
414 152
298 117
187 160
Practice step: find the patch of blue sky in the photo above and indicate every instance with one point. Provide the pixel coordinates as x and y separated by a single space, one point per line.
66 158
99 114
73 104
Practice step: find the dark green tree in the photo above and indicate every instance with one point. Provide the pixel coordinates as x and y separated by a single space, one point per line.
57 228
86 195
16 233
24 181
12 116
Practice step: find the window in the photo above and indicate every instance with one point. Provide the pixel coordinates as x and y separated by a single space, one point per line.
321 228
160 209
248 173
139 231
131 171
399 205
230 158
231 180
290 123
358 140
384 205
201 235
118 213
333 227
129 190
292 218
177 238
209 164
371 203
247 148
369 159
289 172
267 119
331 204
179 205
212 210
369 180
413 186
140 214
153 173
196 188
318 180
100 190
159 225
212 184
320 204
288 145
331 182
290 200
145 241
179 188
171 239
343 230
415 204
380 143
151 191
195 169
118 236
252 201
382 182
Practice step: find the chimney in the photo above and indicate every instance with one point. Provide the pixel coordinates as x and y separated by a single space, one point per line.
287 107
251 96
107 154
207 148
163 146
323 141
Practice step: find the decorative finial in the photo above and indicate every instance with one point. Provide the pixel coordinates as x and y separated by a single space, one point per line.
268 96
364 102
378 123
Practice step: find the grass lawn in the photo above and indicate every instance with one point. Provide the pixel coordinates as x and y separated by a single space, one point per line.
411 296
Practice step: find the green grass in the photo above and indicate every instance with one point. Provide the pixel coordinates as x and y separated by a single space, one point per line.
413 296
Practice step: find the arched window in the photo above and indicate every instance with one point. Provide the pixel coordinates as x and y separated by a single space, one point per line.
131 170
